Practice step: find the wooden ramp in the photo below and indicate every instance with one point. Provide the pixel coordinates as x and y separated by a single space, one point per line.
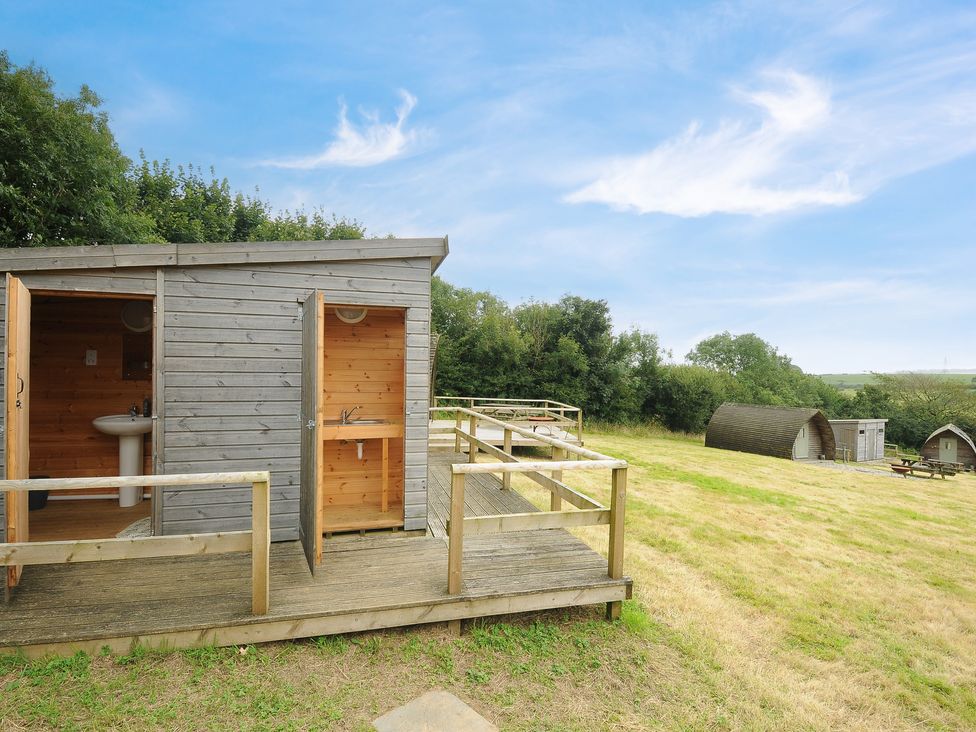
365 582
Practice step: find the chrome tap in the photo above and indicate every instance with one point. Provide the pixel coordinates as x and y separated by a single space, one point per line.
346 414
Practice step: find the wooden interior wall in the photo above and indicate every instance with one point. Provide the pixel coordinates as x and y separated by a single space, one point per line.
364 367
66 395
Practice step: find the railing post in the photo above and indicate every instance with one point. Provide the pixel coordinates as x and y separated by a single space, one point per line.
455 550
260 547
473 431
615 562
555 502
507 447
579 426
457 431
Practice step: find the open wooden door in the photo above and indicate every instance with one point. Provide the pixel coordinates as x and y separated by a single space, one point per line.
17 417
313 363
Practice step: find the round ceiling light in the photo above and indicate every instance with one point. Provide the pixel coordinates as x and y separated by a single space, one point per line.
350 315
137 315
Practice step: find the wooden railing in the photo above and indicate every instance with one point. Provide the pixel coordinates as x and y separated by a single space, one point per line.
518 411
585 512
257 540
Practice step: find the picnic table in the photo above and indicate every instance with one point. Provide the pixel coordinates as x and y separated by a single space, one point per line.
912 464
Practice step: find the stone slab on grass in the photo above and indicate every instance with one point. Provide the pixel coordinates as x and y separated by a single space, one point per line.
435 711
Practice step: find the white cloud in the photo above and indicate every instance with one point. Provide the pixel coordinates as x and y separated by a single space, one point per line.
734 169
810 147
371 143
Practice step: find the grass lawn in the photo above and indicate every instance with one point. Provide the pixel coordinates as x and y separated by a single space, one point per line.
768 595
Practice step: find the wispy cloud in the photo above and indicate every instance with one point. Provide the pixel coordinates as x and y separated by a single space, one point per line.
734 169
370 143
811 146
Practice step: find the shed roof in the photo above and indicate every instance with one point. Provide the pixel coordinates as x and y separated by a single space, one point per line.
765 430
956 431
111 256
858 420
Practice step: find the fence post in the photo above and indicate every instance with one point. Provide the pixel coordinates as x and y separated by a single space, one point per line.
455 531
555 502
457 431
615 562
260 547
579 426
473 431
507 447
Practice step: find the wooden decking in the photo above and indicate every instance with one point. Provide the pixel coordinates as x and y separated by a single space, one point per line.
365 582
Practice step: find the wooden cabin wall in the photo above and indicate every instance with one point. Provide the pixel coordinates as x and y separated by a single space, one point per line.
232 359
364 367
66 395
231 347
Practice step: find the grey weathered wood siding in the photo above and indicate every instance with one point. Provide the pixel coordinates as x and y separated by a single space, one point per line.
233 336
231 354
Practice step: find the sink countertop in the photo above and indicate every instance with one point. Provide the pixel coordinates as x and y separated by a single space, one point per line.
365 430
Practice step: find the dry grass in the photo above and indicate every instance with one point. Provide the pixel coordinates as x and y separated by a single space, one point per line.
768 595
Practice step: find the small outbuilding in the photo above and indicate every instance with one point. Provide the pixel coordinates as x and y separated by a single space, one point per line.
794 433
859 440
951 445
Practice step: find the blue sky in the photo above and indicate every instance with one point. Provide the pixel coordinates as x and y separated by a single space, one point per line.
805 171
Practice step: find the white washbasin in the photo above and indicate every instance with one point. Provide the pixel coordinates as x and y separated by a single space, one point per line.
122 424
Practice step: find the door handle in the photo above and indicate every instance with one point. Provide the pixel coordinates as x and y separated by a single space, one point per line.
20 391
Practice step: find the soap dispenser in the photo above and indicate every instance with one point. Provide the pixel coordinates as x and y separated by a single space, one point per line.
146 407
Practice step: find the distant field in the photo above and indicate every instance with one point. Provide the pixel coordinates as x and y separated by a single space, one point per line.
856 381
768 595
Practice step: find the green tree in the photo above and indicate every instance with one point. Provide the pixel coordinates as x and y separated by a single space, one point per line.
686 396
62 177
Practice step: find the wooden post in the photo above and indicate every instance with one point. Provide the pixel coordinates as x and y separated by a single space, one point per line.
260 547
473 431
385 497
455 550
579 426
507 447
615 563
457 431
555 502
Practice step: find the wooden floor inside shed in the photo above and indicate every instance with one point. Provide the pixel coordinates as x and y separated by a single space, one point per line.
365 582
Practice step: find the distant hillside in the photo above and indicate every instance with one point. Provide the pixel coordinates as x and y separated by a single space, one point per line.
856 381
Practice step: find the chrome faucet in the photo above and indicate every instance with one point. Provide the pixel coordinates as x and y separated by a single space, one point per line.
133 411
346 414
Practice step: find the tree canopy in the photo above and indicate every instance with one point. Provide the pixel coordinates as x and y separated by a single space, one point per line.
64 181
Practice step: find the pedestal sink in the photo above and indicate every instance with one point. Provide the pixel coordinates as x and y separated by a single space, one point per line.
129 429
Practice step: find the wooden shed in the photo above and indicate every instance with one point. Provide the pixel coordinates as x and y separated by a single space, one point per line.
795 433
859 440
951 445
236 357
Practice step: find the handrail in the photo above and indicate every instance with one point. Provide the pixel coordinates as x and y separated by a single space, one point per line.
563 415
257 539
588 511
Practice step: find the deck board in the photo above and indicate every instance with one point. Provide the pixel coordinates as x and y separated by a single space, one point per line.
364 581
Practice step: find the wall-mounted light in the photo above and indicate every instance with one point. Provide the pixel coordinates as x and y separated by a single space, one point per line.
350 315
137 315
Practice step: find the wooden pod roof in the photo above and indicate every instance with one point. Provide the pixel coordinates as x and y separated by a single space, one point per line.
954 430
766 430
